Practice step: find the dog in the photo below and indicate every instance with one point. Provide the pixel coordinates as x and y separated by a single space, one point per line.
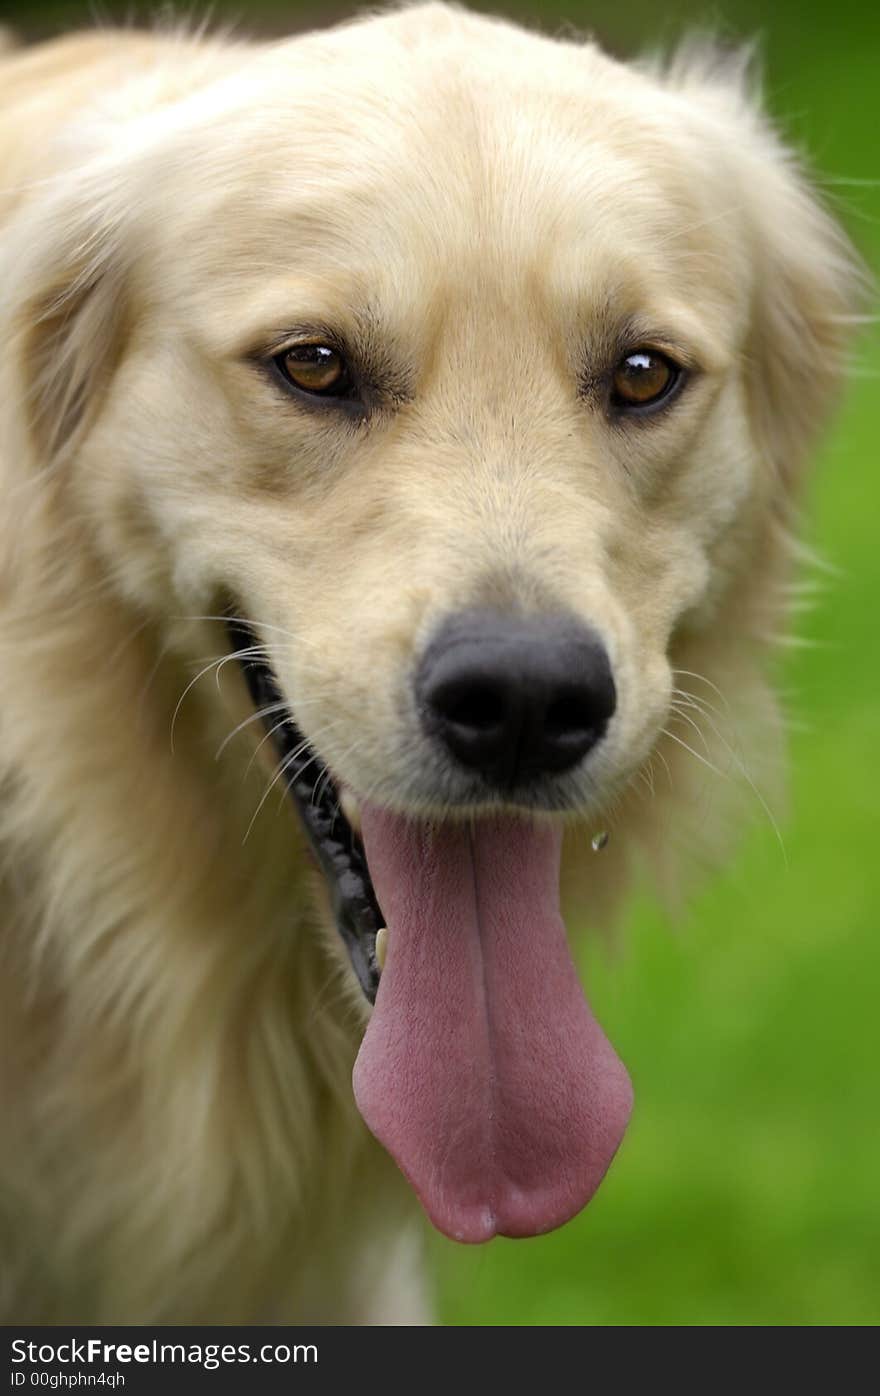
401 440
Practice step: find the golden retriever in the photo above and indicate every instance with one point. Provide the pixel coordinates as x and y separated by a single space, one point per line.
407 419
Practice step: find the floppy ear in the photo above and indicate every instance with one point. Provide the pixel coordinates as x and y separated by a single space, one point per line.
807 296
68 308
809 283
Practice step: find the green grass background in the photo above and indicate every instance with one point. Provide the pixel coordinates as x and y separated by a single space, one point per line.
748 1187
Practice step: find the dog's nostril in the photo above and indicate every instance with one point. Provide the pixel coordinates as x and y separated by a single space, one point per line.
567 716
475 705
515 698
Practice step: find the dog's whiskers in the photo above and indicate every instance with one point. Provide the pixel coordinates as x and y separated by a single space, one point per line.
219 662
704 760
268 711
681 697
701 678
252 624
281 768
646 775
327 775
737 761
678 711
261 743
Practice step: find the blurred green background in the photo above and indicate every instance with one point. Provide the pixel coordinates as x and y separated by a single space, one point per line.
748 1188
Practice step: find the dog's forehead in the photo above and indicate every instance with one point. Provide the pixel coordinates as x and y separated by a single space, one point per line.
467 152
537 169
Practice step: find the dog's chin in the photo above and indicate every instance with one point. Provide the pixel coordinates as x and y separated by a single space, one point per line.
483 1070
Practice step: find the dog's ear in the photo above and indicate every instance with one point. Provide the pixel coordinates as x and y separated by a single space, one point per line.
68 305
806 302
809 285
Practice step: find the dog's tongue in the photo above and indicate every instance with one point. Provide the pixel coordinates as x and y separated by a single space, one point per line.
483 1071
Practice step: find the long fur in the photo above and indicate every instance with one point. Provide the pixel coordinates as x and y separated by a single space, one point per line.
178 1024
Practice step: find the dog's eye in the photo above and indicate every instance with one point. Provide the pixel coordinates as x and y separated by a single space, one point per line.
645 378
315 368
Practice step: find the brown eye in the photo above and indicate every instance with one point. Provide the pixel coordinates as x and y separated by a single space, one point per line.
315 368
644 378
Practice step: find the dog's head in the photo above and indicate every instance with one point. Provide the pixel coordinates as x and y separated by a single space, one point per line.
474 374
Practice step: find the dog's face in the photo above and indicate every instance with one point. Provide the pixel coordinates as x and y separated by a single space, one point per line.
457 358
473 371
465 355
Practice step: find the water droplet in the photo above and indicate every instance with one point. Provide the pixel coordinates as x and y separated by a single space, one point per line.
599 840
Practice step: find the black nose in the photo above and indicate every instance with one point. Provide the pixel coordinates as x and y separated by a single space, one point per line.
515 698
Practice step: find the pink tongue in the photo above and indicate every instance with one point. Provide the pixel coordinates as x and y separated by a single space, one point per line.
483 1071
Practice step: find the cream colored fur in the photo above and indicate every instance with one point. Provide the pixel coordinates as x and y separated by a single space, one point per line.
485 209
